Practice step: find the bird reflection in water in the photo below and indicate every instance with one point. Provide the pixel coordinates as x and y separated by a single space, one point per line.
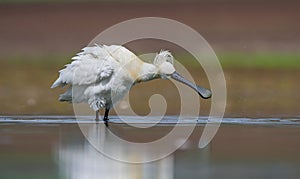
84 160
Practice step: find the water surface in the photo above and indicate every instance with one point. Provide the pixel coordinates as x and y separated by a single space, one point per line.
55 147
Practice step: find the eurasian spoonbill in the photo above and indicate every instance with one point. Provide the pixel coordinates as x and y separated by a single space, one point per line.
102 75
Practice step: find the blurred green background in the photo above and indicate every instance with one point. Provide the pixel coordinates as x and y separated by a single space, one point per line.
257 43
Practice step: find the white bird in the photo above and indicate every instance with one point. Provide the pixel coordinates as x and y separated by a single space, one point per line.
102 75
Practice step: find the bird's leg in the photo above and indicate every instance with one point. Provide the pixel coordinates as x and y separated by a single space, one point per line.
97 115
105 119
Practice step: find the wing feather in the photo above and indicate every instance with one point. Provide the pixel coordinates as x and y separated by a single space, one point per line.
91 65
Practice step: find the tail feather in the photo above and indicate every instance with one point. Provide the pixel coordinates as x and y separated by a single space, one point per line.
56 83
67 96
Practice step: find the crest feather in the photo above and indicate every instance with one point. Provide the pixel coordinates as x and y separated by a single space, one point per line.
163 56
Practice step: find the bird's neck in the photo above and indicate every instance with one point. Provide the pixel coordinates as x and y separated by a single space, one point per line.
147 72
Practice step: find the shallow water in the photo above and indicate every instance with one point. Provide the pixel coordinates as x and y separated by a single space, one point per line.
55 147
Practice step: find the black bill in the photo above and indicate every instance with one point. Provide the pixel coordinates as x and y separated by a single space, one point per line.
204 93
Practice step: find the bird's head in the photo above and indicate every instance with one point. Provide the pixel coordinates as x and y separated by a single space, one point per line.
164 61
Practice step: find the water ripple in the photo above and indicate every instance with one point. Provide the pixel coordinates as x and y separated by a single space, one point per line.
167 120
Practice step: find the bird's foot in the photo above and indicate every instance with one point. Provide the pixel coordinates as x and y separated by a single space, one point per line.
105 119
97 116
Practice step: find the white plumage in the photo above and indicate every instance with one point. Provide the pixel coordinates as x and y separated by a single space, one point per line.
102 75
